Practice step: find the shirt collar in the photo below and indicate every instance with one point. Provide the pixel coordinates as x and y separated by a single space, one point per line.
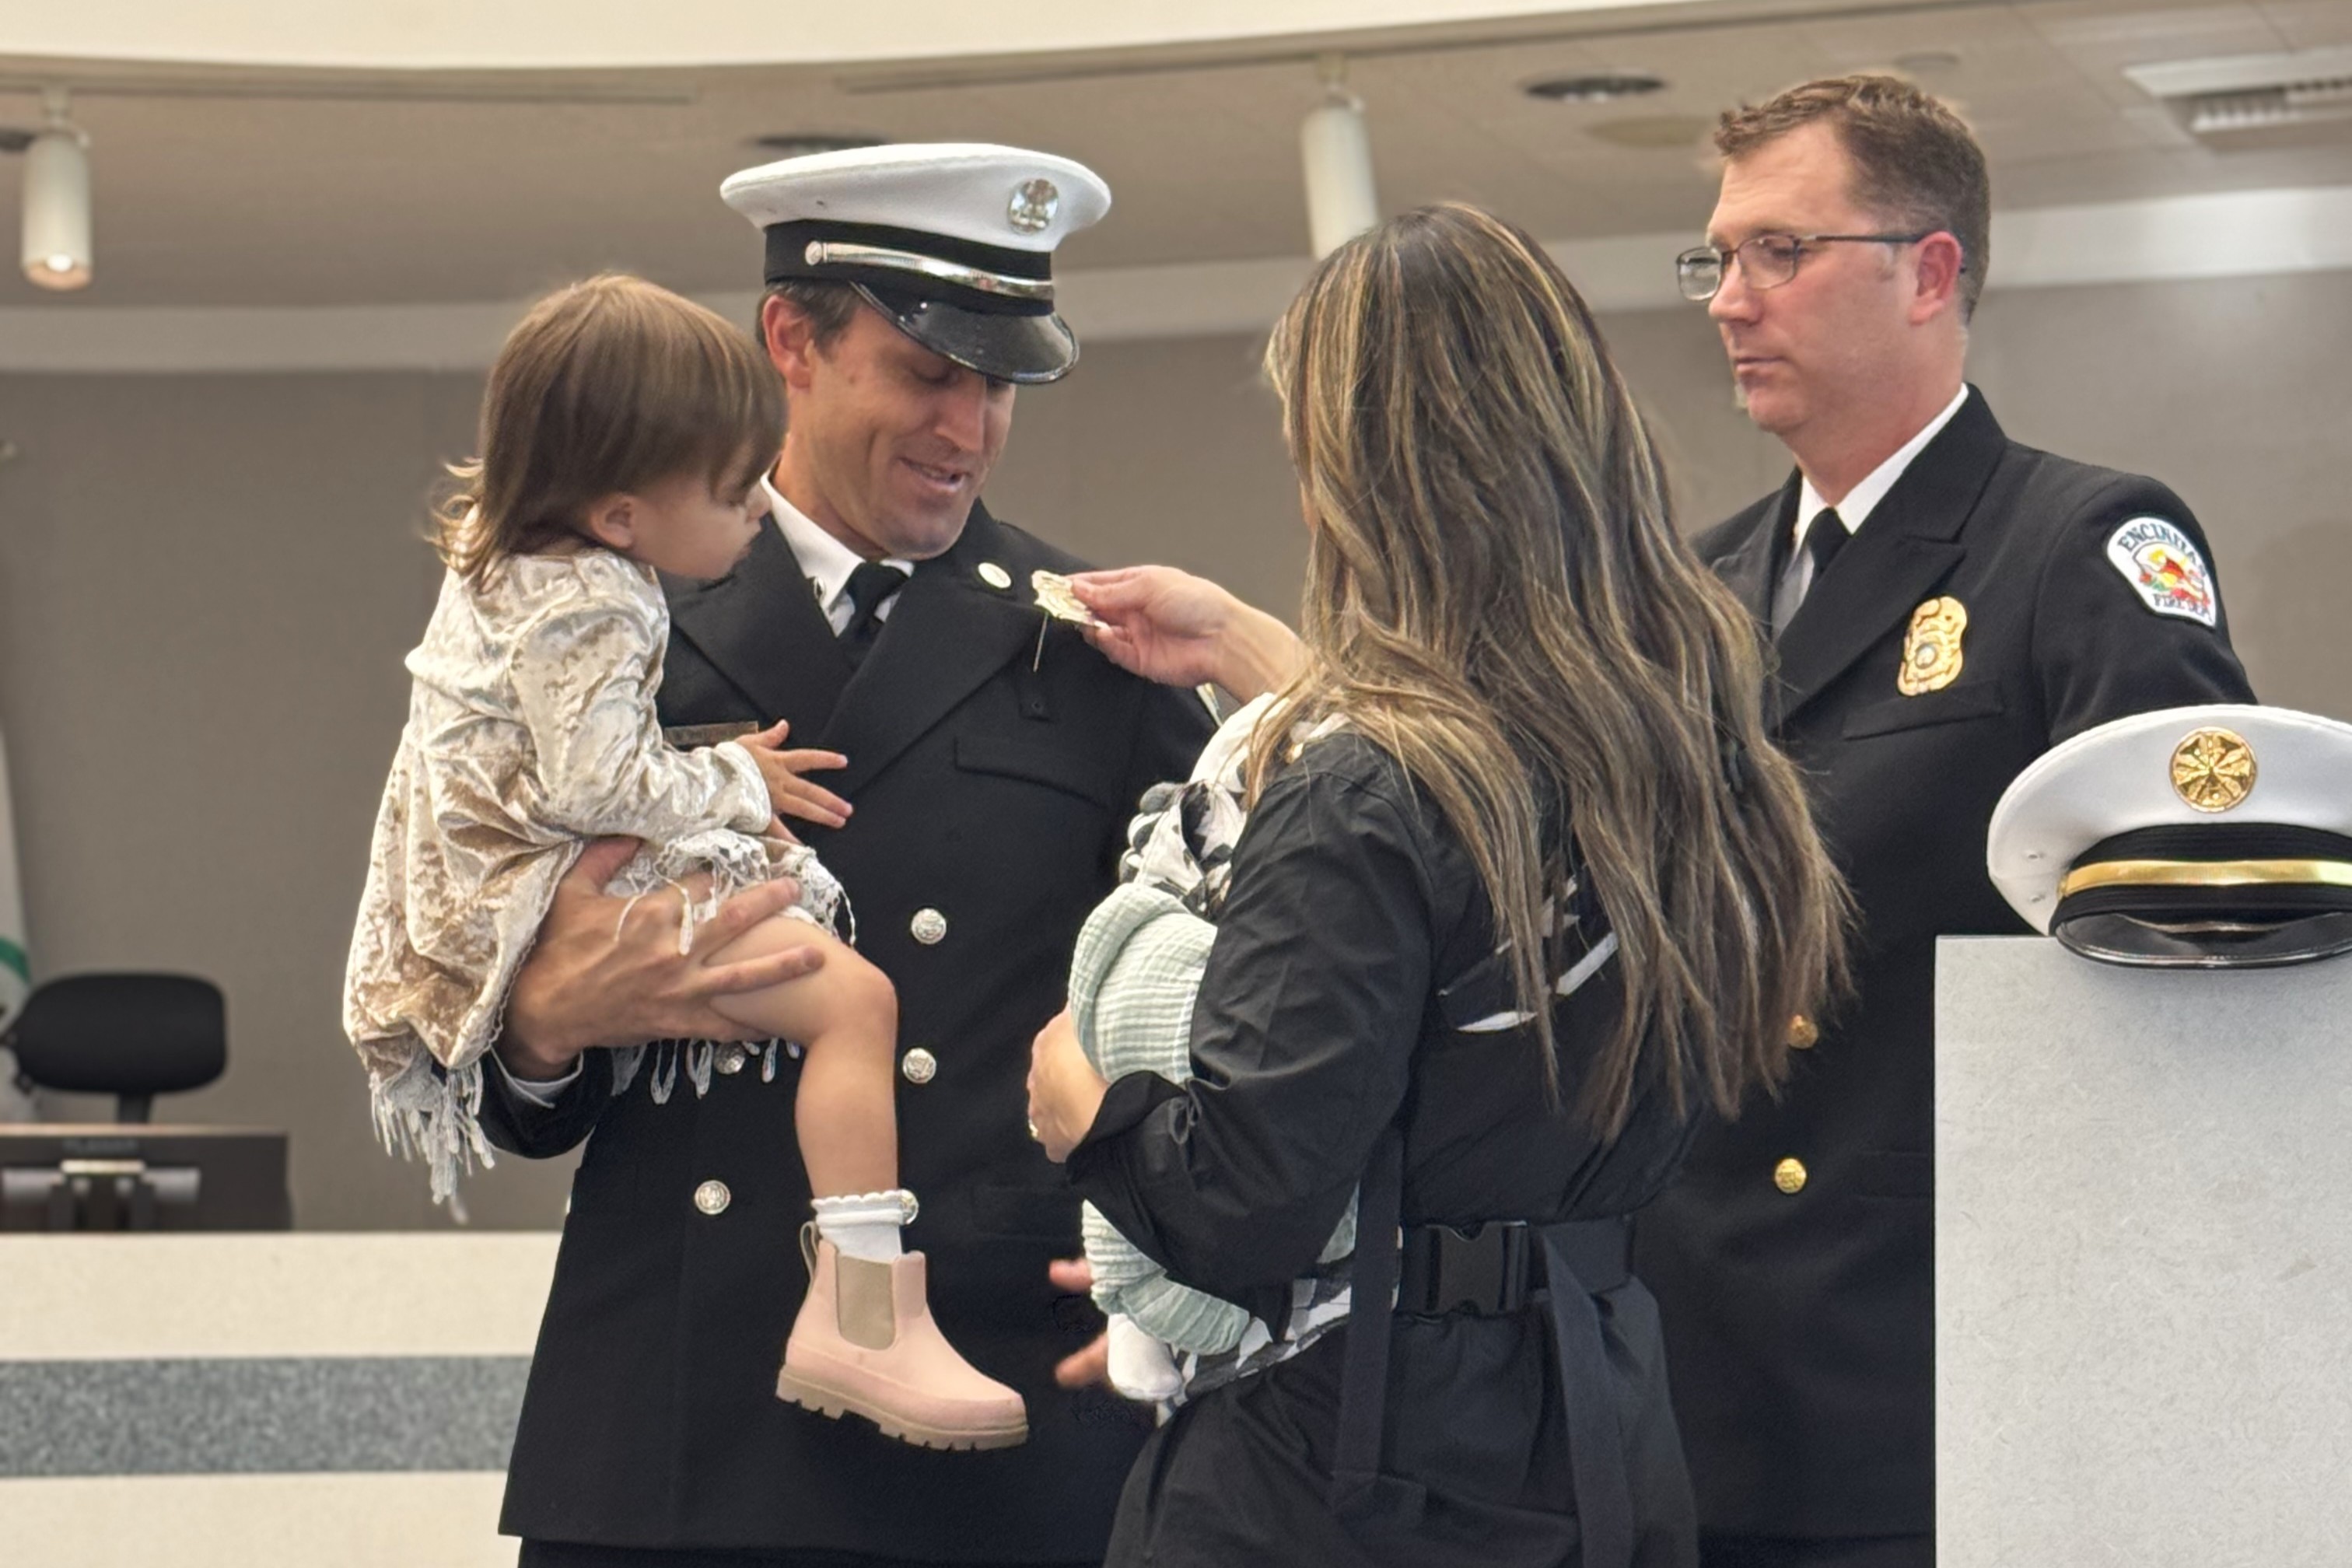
1863 499
826 560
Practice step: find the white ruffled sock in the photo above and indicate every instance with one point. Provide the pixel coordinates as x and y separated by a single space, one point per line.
866 1223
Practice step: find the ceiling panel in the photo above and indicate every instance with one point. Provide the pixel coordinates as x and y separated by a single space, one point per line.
286 201
2311 24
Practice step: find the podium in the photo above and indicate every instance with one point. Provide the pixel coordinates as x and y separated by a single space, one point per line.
263 1400
2143 1261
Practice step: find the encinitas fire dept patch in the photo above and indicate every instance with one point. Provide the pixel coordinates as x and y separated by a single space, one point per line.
2164 568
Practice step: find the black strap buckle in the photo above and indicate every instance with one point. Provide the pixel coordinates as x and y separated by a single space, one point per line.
1484 1269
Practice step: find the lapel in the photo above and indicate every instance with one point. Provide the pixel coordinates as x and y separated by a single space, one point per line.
1908 544
1753 567
947 633
760 627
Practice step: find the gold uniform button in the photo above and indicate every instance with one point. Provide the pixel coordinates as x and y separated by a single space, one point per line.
919 1066
928 927
1802 1033
712 1198
1788 1175
730 1059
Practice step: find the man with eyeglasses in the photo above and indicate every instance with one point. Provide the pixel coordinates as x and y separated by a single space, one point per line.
1944 604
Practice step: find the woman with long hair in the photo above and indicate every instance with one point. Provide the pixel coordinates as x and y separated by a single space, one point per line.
1523 890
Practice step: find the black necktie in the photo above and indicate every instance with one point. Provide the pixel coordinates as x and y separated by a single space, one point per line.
871 587
1822 541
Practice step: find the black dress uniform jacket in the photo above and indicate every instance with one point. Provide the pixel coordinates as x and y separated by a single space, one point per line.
1800 1325
992 781
1321 1022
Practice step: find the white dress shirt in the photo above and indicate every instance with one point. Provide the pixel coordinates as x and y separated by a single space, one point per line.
1852 510
826 560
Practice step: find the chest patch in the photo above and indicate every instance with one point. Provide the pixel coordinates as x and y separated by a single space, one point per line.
2163 569
1931 650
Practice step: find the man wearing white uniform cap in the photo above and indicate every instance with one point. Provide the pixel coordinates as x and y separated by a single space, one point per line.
953 243
989 762
2209 837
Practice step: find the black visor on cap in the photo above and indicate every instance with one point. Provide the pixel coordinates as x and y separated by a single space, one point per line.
1026 349
2213 943
2183 897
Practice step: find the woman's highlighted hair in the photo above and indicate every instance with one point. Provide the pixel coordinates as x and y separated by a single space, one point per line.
1496 596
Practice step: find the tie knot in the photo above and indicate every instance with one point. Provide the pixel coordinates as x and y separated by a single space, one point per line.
872 583
1825 539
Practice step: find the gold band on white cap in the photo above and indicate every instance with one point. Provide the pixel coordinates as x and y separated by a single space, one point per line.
2206 874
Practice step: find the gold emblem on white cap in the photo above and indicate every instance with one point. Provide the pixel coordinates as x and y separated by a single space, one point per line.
1034 205
995 577
1931 650
2213 770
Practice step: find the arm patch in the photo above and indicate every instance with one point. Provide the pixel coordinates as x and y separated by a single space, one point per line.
2164 568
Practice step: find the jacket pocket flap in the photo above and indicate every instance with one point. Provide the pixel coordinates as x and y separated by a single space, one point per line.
1949 706
1050 764
1073 773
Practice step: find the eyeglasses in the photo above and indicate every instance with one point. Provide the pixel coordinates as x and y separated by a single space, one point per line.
1768 261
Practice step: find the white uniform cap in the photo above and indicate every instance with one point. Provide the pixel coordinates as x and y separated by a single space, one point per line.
2211 836
964 190
952 241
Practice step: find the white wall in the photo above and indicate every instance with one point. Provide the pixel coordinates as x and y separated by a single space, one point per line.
206 583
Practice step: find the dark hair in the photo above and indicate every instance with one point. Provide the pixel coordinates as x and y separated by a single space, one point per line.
830 306
1915 160
1496 596
607 386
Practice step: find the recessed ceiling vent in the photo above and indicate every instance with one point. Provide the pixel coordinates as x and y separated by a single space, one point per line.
2250 100
1600 87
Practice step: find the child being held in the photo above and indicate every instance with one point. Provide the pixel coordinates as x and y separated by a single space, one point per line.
624 432
1133 978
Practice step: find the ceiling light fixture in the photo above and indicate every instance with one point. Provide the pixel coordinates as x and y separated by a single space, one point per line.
1599 87
57 239
2240 99
1336 153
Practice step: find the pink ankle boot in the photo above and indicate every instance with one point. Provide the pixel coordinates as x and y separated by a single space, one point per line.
865 1343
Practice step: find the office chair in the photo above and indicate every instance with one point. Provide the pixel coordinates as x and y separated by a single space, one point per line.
130 1035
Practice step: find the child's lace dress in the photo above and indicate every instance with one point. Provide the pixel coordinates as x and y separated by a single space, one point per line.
531 728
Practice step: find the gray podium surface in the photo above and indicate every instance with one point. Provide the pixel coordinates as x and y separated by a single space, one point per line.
2142 1262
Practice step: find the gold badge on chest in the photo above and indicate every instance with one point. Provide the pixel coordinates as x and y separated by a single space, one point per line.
1931 650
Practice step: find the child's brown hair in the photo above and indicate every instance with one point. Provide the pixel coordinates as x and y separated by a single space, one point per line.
607 386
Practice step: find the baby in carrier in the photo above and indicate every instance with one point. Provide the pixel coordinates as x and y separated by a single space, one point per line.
1133 978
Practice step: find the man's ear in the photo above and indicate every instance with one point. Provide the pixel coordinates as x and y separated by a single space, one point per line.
612 521
790 339
1938 270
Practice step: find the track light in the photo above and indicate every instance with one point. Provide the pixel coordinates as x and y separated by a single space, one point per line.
1338 152
57 252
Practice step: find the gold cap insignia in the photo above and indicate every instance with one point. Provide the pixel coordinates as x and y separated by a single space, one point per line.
1931 650
2213 770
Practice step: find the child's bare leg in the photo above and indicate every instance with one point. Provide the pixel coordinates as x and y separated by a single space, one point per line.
863 1339
846 1016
